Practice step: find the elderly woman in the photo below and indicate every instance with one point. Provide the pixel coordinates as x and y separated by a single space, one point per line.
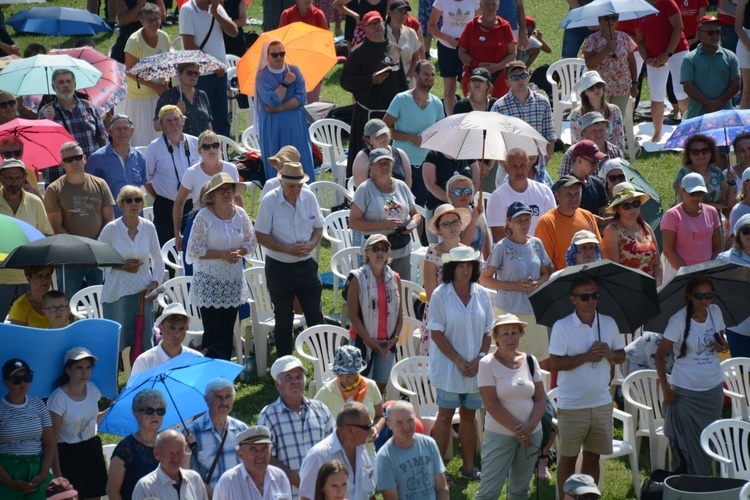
487 42
375 293
385 205
74 407
628 239
739 336
691 230
349 385
592 90
612 174
126 286
610 53
27 444
280 97
144 94
8 107
517 266
479 97
128 15
192 101
460 324
222 235
378 136
403 36
134 457
27 310
700 156
513 395
460 191
694 394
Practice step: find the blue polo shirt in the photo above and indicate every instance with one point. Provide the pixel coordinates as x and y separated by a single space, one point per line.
108 165
710 73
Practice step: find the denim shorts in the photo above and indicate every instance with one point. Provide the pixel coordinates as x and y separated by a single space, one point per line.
469 400
380 371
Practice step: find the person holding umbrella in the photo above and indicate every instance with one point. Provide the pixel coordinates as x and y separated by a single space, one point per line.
693 395
192 101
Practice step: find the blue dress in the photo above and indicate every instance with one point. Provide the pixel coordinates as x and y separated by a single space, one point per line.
287 128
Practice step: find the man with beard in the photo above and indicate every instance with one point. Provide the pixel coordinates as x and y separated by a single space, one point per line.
15 202
374 74
409 114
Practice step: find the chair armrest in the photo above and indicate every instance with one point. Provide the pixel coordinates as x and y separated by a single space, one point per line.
331 238
321 144
628 424
706 446
741 401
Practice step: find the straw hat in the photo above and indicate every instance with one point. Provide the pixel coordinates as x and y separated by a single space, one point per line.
463 214
292 173
624 192
219 180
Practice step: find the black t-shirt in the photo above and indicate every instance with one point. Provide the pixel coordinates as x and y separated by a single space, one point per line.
445 168
594 195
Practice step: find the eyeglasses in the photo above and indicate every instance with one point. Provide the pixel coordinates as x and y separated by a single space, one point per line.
225 189
616 178
585 297
632 204
26 378
54 309
450 223
71 159
13 180
278 54
704 296
613 17
208 147
152 20
464 191
519 76
379 249
700 151
745 231
12 103
192 72
711 32
363 427
133 200
151 411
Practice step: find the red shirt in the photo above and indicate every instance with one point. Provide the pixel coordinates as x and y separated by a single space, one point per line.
314 16
689 13
628 26
486 46
412 23
657 31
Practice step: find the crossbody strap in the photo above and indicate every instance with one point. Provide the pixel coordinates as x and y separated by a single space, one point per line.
218 454
210 29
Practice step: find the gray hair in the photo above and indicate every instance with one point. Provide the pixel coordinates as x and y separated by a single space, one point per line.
149 8
218 384
69 145
148 395
398 405
62 71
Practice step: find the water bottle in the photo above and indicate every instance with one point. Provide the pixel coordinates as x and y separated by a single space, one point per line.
248 371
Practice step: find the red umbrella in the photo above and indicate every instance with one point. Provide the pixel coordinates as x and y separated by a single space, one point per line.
137 348
41 140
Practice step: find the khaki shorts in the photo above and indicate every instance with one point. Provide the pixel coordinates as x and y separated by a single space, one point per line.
590 427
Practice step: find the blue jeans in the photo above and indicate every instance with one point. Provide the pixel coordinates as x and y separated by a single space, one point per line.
123 311
504 457
77 279
572 40
216 88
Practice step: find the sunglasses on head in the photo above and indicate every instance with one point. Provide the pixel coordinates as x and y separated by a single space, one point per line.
585 297
744 231
704 296
16 380
54 309
700 151
379 249
277 54
363 427
16 153
12 103
151 411
71 159
133 200
519 76
465 191
192 72
616 178
213 145
629 205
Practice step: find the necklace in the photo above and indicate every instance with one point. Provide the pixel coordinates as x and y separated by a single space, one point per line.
422 103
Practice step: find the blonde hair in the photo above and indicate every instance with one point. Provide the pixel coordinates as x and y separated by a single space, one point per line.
207 137
128 192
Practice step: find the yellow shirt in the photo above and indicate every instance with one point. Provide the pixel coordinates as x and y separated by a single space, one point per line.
138 48
31 210
22 312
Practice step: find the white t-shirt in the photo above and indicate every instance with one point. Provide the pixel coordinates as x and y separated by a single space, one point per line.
196 23
78 417
456 15
538 196
195 178
700 369
587 385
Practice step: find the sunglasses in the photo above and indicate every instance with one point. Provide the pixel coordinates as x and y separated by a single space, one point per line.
363 427
700 151
278 54
711 32
71 159
451 223
133 200
613 17
12 103
379 249
208 147
151 411
616 178
519 76
704 296
26 378
55 309
585 297
744 231
464 191
632 204
192 72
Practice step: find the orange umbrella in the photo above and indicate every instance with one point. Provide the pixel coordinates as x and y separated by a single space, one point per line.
308 47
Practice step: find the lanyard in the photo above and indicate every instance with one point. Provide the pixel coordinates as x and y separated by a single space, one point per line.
171 153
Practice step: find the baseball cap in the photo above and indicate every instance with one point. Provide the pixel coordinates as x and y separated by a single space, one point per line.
514 65
566 181
584 236
518 208
705 20
591 118
741 222
169 108
482 74
746 175
375 128
580 484
79 353
285 364
399 4
586 148
693 182
258 434
377 238
13 366
370 17
378 154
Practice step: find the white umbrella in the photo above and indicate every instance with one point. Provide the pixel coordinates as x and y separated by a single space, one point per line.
33 75
589 14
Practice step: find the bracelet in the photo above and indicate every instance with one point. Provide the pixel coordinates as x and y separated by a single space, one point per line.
284 84
732 183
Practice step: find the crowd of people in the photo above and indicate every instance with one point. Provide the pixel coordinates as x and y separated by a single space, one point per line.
484 346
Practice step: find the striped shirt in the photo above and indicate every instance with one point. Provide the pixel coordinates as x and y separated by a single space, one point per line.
208 440
536 111
21 426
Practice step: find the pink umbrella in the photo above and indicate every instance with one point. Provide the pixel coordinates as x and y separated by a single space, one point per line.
41 140
111 89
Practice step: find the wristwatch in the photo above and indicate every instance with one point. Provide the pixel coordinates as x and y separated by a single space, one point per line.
669 54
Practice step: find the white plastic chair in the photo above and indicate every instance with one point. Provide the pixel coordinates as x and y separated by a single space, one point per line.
235 111
485 199
329 195
172 257
745 492
178 290
226 144
737 381
176 44
108 449
148 213
232 60
87 303
643 394
336 230
342 263
409 293
631 143
327 134
728 442
564 97
407 347
250 139
318 345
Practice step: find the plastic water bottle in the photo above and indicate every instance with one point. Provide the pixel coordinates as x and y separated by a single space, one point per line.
249 369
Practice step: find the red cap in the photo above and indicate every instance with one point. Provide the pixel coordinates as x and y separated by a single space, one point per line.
530 21
587 148
707 19
370 17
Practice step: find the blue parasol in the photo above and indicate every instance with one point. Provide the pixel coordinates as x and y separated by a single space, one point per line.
722 126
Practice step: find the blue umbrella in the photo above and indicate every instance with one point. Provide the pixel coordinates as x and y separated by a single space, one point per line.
57 21
723 126
182 380
589 14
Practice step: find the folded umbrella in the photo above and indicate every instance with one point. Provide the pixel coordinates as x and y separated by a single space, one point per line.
41 140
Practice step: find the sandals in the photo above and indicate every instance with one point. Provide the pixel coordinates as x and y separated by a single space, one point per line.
471 475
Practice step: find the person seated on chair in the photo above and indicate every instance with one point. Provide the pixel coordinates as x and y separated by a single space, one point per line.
56 309
173 324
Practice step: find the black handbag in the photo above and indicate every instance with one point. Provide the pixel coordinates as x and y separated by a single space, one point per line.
398 240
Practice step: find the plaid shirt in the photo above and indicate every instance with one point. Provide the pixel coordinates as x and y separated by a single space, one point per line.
208 440
536 111
85 125
292 434
612 151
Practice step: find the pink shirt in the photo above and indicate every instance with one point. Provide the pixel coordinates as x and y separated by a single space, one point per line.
382 313
693 241
613 70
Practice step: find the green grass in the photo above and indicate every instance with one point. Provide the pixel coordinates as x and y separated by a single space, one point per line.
659 168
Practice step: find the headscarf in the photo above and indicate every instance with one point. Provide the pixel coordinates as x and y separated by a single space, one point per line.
262 63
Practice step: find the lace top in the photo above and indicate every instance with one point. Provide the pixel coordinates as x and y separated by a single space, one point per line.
634 253
216 282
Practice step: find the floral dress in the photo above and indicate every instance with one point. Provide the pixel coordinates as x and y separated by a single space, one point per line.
634 253
613 70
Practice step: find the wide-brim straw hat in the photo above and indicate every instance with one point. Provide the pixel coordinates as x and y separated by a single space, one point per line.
463 214
221 179
293 173
624 192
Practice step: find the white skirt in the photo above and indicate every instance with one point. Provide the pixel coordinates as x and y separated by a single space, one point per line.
141 112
